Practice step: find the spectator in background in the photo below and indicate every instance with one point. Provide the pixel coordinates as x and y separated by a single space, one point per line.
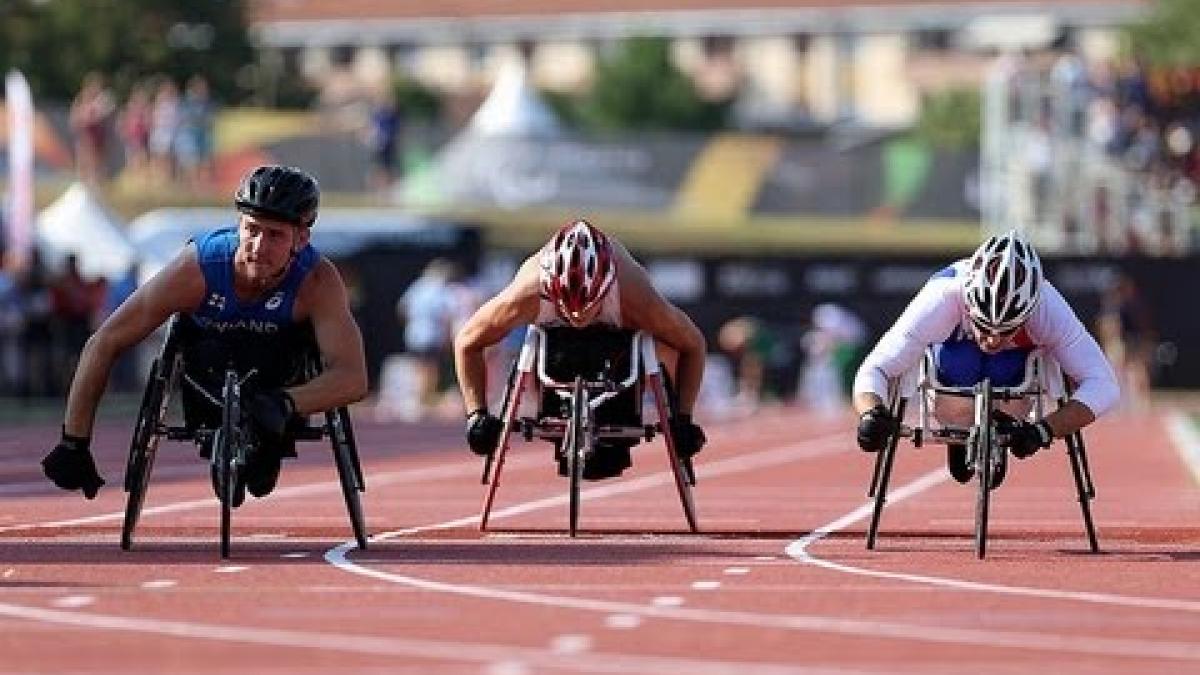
426 309
834 348
74 303
164 124
12 321
124 373
37 334
134 127
1127 334
90 113
381 134
748 343
193 140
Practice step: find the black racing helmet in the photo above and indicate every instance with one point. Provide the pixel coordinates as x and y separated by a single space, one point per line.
282 192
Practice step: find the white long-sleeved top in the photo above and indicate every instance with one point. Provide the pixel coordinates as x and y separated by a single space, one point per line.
938 309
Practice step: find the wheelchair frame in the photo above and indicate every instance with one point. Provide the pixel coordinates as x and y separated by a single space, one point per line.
985 449
579 431
228 441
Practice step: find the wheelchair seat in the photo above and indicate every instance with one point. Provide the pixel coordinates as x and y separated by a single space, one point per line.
597 354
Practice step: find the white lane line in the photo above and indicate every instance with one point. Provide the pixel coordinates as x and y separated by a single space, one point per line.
570 644
799 551
623 621
736 571
72 601
420 475
1186 437
295 555
9 572
393 645
230 569
667 601
507 668
706 585
159 583
1023 640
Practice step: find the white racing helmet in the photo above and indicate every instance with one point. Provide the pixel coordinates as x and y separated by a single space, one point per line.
1003 284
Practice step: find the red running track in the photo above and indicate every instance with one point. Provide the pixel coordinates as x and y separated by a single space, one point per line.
779 580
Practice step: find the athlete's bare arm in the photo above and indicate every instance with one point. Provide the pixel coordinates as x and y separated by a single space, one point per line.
343 377
514 306
177 287
643 308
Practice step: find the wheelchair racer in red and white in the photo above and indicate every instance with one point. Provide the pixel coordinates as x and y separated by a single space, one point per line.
983 316
580 278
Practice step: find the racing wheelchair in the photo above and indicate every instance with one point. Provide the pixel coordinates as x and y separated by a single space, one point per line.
590 385
214 420
986 447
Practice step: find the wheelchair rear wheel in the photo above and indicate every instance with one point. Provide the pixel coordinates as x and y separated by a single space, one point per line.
143 447
345 457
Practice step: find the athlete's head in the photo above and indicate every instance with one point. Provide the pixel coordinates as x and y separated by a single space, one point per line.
577 270
278 205
281 193
1003 285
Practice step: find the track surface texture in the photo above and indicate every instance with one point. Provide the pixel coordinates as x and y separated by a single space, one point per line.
778 580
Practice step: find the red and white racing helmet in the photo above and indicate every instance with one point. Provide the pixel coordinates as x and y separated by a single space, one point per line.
1003 284
577 269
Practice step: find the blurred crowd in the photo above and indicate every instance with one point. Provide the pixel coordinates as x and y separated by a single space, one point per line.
1111 144
165 135
45 319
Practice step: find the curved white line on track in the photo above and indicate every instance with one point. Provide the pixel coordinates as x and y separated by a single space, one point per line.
1040 641
799 551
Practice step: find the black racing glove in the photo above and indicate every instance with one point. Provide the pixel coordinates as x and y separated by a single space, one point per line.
689 437
483 432
875 427
70 465
1024 438
270 411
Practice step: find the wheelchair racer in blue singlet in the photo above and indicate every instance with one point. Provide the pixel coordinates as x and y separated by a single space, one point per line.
983 316
252 296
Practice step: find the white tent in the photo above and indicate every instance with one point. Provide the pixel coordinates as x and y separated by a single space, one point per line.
77 222
513 108
496 158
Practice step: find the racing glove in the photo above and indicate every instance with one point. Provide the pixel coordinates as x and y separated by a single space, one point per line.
70 465
270 411
689 437
483 432
875 426
1024 438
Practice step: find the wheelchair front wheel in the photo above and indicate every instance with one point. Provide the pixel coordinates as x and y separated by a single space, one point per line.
985 449
228 456
575 446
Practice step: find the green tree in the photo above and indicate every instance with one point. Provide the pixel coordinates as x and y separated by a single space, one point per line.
1167 37
640 88
950 119
56 42
415 100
